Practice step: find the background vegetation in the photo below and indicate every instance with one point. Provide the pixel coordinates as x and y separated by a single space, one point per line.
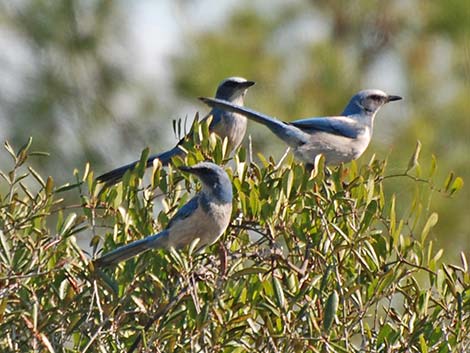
101 80
97 81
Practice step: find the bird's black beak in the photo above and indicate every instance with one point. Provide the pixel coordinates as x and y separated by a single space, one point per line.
186 169
196 169
392 98
247 84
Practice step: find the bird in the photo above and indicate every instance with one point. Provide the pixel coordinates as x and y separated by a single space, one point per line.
340 139
225 124
205 217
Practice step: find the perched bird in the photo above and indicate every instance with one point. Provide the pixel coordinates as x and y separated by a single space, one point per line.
225 124
206 216
340 138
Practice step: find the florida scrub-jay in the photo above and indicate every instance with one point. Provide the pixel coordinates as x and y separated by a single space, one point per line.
225 124
340 138
206 216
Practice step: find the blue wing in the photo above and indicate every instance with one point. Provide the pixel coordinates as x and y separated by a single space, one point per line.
341 126
185 211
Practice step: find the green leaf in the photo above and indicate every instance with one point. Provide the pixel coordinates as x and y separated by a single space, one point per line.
288 182
67 187
463 259
68 224
430 223
5 254
23 152
279 293
248 271
324 280
37 176
448 181
422 344
39 153
142 165
369 214
433 168
386 334
330 310
456 185
10 150
254 201
49 185
414 158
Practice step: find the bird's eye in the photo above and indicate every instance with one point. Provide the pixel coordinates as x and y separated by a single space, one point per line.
231 84
375 97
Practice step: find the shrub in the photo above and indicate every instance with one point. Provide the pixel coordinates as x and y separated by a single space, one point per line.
312 262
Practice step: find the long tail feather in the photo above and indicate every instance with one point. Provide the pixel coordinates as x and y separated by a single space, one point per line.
285 131
270 122
115 175
130 250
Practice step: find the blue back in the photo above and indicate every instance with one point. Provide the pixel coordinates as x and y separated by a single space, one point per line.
330 125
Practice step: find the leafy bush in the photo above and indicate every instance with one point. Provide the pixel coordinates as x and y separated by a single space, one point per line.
312 262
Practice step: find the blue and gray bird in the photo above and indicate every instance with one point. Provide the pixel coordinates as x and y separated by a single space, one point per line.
225 124
340 139
205 217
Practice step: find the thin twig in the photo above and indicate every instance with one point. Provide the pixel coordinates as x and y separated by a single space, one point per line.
284 156
158 314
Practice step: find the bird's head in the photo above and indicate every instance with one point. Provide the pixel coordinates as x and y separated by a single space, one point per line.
214 179
368 101
233 89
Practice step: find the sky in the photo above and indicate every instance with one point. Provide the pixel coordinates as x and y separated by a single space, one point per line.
156 32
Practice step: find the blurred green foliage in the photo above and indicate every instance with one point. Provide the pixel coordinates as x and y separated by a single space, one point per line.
75 83
311 262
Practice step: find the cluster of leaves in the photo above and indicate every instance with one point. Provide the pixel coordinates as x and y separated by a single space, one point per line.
312 261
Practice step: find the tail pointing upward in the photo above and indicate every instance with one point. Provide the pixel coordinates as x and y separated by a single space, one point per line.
271 123
285 131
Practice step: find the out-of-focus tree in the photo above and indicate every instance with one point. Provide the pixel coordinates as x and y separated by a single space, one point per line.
71 82
80 100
